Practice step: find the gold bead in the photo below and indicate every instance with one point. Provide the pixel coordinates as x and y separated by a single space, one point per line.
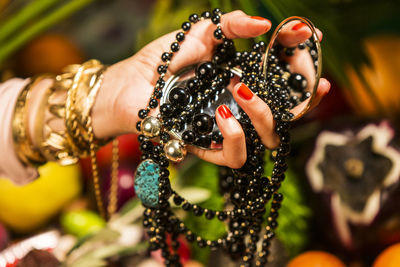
150 126
174 150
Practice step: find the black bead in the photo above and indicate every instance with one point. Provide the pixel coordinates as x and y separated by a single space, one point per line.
178 200
217 137
222 216
179 96
139 126
146 146
210 214
193 85
166 56
175 47
206 14
216 19
141 138
186 206
218 34
216 11
143 113
162 69
153 103
298 82
166 110
203 141
194 18
188 137
203 123
180 36
205 70
186 26
197 210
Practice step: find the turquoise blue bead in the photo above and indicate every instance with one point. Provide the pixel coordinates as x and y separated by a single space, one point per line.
146 182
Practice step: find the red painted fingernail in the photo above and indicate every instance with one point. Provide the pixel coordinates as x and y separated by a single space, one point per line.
298 26
260 18
224 111
244 92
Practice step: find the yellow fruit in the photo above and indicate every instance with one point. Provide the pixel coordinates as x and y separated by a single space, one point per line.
316 259
25 208
390 257
382 76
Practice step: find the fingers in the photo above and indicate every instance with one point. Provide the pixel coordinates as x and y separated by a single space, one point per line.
233 153
199 42
259 113
296 32
322 90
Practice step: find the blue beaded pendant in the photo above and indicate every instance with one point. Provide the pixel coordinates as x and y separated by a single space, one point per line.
146 182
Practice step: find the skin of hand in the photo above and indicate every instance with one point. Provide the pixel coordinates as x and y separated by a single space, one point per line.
128 85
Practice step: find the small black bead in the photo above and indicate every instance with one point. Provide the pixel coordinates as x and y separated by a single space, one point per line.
210 214
216 11
175 47
162 69
194 18
298 82
186 206
206 14
216 19
166 56
186 26
178 200
301 45
146 146
143 113
180 36
141 138
222 216
139 126
217 137
197 210
203 141
153 103
188 137
166 110
218 34
193 85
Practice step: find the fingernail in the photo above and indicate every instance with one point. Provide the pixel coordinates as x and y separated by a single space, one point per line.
244 92
260 18
224 111
298 26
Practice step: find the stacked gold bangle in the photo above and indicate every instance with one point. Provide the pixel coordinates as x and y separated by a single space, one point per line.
70 99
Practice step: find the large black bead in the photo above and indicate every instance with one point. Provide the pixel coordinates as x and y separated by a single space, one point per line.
217 137
202 123
205 70
166 56
179 96
298 82
186 26
194 18
180 36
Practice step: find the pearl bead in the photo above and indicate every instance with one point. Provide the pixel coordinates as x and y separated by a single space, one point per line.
151 127
175 150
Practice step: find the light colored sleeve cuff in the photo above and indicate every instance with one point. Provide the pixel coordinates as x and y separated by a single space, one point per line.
10 166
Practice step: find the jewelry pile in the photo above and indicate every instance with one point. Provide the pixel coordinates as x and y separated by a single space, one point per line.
249 235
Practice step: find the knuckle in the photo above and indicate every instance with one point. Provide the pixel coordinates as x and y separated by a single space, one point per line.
238 162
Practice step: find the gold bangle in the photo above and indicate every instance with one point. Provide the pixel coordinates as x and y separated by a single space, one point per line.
24 148
78 106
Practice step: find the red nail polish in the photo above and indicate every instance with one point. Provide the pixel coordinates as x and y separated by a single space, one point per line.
260 18
298 26
244 92
224 111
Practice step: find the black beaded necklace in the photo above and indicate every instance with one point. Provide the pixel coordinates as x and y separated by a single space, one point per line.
248 189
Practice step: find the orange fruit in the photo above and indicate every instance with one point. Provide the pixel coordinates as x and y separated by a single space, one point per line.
316 259
49 53
390 257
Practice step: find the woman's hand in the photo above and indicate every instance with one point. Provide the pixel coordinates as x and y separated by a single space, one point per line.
128 85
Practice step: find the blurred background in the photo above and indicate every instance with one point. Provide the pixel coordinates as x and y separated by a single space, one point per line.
342 188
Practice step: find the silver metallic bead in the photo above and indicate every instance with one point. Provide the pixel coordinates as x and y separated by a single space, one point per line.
175 150
150 126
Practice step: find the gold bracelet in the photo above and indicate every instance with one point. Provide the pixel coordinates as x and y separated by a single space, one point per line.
78 106
24 148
